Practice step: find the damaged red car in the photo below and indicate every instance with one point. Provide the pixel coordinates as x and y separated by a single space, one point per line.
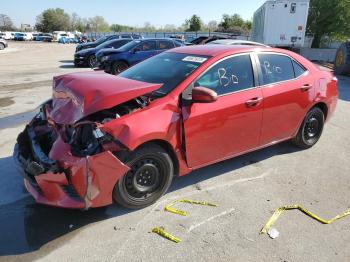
104 138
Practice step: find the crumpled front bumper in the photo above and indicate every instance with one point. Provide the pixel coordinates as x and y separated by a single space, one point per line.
63 180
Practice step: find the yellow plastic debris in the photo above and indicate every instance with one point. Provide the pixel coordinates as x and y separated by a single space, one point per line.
160 231
280 210
170 208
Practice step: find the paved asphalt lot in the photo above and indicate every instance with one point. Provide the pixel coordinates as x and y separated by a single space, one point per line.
247 189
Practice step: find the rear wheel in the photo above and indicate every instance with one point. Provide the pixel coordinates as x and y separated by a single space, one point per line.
150 175
311 129
342 60
2 46
118 67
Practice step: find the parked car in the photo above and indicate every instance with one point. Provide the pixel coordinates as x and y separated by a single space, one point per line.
104 39
88 56
117 60
202 40
23 36
44 37
7 35
103 138
3 44
234 42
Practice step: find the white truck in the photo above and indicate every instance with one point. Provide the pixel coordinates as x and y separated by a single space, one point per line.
281 23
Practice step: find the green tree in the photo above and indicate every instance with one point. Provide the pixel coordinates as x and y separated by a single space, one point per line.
6 23
53 20
121 28
98 24
328 18
230 21
194 24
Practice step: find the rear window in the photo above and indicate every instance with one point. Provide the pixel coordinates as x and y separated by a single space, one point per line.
275 68
163 45
298 69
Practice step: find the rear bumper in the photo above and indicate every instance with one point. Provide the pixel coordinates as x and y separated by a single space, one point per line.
63 180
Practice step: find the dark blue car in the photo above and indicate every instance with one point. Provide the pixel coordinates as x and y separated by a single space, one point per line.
88 56
106 38
114 61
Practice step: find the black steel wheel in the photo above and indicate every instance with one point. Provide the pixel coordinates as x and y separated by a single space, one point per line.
311 129
150 175
118 67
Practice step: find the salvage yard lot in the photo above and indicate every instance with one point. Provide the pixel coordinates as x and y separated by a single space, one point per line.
246 189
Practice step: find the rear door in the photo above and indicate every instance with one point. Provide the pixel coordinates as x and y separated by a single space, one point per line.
288 91
229 126
144 50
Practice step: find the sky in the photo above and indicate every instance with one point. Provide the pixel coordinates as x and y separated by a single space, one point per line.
132 12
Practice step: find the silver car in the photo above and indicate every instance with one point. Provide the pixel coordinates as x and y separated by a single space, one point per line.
3 44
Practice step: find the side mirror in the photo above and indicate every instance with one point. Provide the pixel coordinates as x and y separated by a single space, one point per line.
135 50
202 94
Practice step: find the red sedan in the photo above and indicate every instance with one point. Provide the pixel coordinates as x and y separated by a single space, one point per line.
103 138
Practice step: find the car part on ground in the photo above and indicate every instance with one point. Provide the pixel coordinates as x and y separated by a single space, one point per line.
3 44
161 231
279 211
171 209
105 137
342 59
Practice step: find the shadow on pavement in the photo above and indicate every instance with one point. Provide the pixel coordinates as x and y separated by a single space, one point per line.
67 66
26 226
66 61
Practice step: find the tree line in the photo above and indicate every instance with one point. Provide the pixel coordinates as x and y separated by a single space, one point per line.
326 18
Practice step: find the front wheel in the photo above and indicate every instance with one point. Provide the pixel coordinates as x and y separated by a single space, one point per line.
311 129
92 61
150 175
2 46
118 67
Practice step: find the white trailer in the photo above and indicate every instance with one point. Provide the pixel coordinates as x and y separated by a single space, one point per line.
281 23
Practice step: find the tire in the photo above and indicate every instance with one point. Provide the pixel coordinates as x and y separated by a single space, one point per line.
2 46
92 61
342 60
310 130
150 175
118 67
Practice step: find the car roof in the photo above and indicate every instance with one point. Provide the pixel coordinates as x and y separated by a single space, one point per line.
214 50
235 42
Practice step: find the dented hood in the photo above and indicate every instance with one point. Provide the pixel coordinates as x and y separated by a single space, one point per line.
78 95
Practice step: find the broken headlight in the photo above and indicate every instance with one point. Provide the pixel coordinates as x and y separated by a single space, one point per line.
84 140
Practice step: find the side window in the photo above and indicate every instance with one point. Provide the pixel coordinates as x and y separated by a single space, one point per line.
147 46
118 44
177 43
275 68
298 69
231 75
165 45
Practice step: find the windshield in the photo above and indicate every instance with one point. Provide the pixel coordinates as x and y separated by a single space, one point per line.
101 40
169 69
129 46
105 44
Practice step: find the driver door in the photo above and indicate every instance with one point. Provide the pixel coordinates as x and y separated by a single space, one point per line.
144 50
229 126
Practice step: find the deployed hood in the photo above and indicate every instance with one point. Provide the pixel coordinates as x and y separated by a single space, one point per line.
78 95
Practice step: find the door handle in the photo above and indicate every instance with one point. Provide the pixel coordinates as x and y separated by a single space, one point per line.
254 101
305 87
